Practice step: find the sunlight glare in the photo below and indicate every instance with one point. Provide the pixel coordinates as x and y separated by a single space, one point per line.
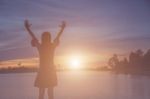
75 62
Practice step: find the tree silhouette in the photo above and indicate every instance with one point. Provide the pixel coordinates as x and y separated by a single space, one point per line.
138 62
113 61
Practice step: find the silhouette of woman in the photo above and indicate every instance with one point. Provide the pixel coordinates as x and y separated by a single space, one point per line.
46 76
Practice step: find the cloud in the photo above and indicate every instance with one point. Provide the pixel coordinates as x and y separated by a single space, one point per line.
90 23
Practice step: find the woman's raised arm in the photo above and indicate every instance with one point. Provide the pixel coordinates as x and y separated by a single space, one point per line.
63 25
27 26
34 41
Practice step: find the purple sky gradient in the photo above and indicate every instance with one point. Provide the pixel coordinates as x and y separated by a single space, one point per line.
98 26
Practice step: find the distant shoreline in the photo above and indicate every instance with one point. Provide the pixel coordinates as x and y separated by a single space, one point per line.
34 70
30 70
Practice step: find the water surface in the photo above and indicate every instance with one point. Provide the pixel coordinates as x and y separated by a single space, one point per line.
78 85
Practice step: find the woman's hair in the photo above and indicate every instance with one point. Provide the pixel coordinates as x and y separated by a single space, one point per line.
46 38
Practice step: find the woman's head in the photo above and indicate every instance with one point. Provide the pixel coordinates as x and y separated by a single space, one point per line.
46 37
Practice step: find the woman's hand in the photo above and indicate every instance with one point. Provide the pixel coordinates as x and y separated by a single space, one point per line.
63 25
27 24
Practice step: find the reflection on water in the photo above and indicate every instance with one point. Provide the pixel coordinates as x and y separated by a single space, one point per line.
78 85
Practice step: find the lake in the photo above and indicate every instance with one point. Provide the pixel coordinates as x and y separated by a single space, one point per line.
78 85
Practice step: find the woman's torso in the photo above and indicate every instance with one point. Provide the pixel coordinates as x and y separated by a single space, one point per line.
46 54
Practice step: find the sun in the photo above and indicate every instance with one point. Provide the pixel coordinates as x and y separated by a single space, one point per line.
75 62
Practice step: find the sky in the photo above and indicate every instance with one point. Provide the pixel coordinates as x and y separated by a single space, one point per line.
95 28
